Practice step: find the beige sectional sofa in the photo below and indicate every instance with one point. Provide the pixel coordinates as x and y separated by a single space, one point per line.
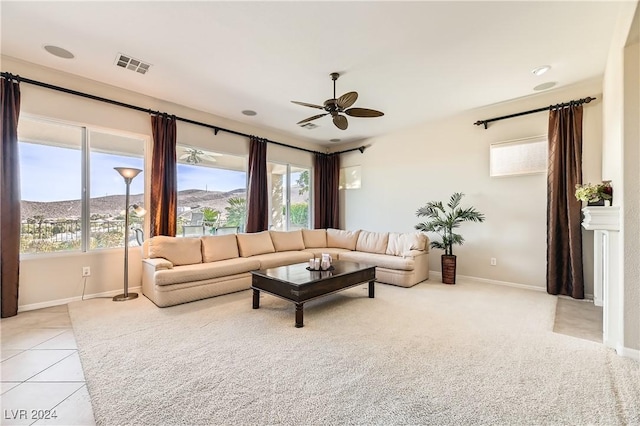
182 269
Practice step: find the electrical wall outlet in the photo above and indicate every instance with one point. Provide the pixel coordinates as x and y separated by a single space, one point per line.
494 262
86 271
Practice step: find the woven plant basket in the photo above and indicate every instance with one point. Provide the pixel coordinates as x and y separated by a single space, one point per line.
448 264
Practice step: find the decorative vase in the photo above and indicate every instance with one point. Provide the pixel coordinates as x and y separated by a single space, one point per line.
595 203
448 265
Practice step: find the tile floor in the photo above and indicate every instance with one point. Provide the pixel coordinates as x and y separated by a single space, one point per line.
42 378
42 374
578 318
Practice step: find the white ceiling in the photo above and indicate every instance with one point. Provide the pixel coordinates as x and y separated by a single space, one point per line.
416 61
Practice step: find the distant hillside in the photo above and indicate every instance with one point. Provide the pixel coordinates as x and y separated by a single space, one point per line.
112 205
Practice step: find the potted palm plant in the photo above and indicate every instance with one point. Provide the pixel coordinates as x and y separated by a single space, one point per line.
443 221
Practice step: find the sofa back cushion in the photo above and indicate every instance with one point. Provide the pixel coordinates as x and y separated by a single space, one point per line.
287 240
314 238
179 251
255 243
219 247
339 238
372 242
402 243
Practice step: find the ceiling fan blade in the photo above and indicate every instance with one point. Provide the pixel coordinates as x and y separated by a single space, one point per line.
311 118
308 105
363 112
348 99
341 122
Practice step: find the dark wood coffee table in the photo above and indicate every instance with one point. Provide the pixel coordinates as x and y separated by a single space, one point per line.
299 285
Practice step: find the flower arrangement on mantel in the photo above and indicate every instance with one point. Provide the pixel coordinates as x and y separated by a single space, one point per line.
594 194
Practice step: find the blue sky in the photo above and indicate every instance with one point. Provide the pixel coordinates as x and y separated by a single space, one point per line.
49 173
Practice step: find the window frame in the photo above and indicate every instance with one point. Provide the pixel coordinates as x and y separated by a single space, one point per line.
85 181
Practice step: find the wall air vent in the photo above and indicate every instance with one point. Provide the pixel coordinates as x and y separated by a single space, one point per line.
309 126
126 61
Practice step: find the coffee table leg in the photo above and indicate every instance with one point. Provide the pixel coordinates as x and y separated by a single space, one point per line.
256 298
299 315
371 289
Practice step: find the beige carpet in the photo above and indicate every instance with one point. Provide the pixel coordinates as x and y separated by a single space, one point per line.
431 354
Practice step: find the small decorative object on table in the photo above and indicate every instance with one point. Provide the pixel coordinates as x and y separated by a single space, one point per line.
595 194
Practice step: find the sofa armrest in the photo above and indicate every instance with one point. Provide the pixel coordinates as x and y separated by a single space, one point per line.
413 253
158 263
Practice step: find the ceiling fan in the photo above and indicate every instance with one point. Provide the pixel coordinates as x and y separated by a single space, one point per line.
335 106
195 156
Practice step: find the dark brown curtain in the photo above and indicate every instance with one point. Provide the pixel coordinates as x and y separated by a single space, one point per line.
564 232
258 196
10 197
326 175
164 181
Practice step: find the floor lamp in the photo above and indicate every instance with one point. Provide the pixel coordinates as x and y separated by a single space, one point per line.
128 174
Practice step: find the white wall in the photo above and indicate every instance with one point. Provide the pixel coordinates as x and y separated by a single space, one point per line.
51 279
621 159
403 171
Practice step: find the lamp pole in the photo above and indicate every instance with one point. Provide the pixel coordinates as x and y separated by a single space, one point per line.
128 174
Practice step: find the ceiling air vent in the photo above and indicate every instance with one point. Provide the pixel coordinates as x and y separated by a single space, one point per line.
126 61
309 126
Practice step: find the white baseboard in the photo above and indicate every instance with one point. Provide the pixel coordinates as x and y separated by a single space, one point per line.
438 275
628 352
50 303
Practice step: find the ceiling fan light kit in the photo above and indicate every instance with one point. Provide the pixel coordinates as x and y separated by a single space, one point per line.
337 106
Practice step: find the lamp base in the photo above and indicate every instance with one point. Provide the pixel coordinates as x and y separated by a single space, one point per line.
122 297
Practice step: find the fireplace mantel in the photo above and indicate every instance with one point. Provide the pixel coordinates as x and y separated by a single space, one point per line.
599 218
605 222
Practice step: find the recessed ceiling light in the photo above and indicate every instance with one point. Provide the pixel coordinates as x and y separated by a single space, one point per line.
249 112
59 52
541 70
334 140
545 86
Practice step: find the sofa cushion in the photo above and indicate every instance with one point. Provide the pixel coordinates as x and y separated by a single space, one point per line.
177 250
318 252
402 243
287 240
219 247
205 271
381 260
314 238
255 243
281 258
372 242
342 239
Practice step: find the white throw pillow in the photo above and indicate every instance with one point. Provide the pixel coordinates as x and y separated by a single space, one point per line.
402 243
372 242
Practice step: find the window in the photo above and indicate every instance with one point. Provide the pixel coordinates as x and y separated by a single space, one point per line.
58 164
518 157
289 191
212 192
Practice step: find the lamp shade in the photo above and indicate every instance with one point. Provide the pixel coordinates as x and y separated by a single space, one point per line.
140 211
127 172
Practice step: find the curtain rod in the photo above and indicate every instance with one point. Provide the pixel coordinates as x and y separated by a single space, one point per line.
216 129
550 107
